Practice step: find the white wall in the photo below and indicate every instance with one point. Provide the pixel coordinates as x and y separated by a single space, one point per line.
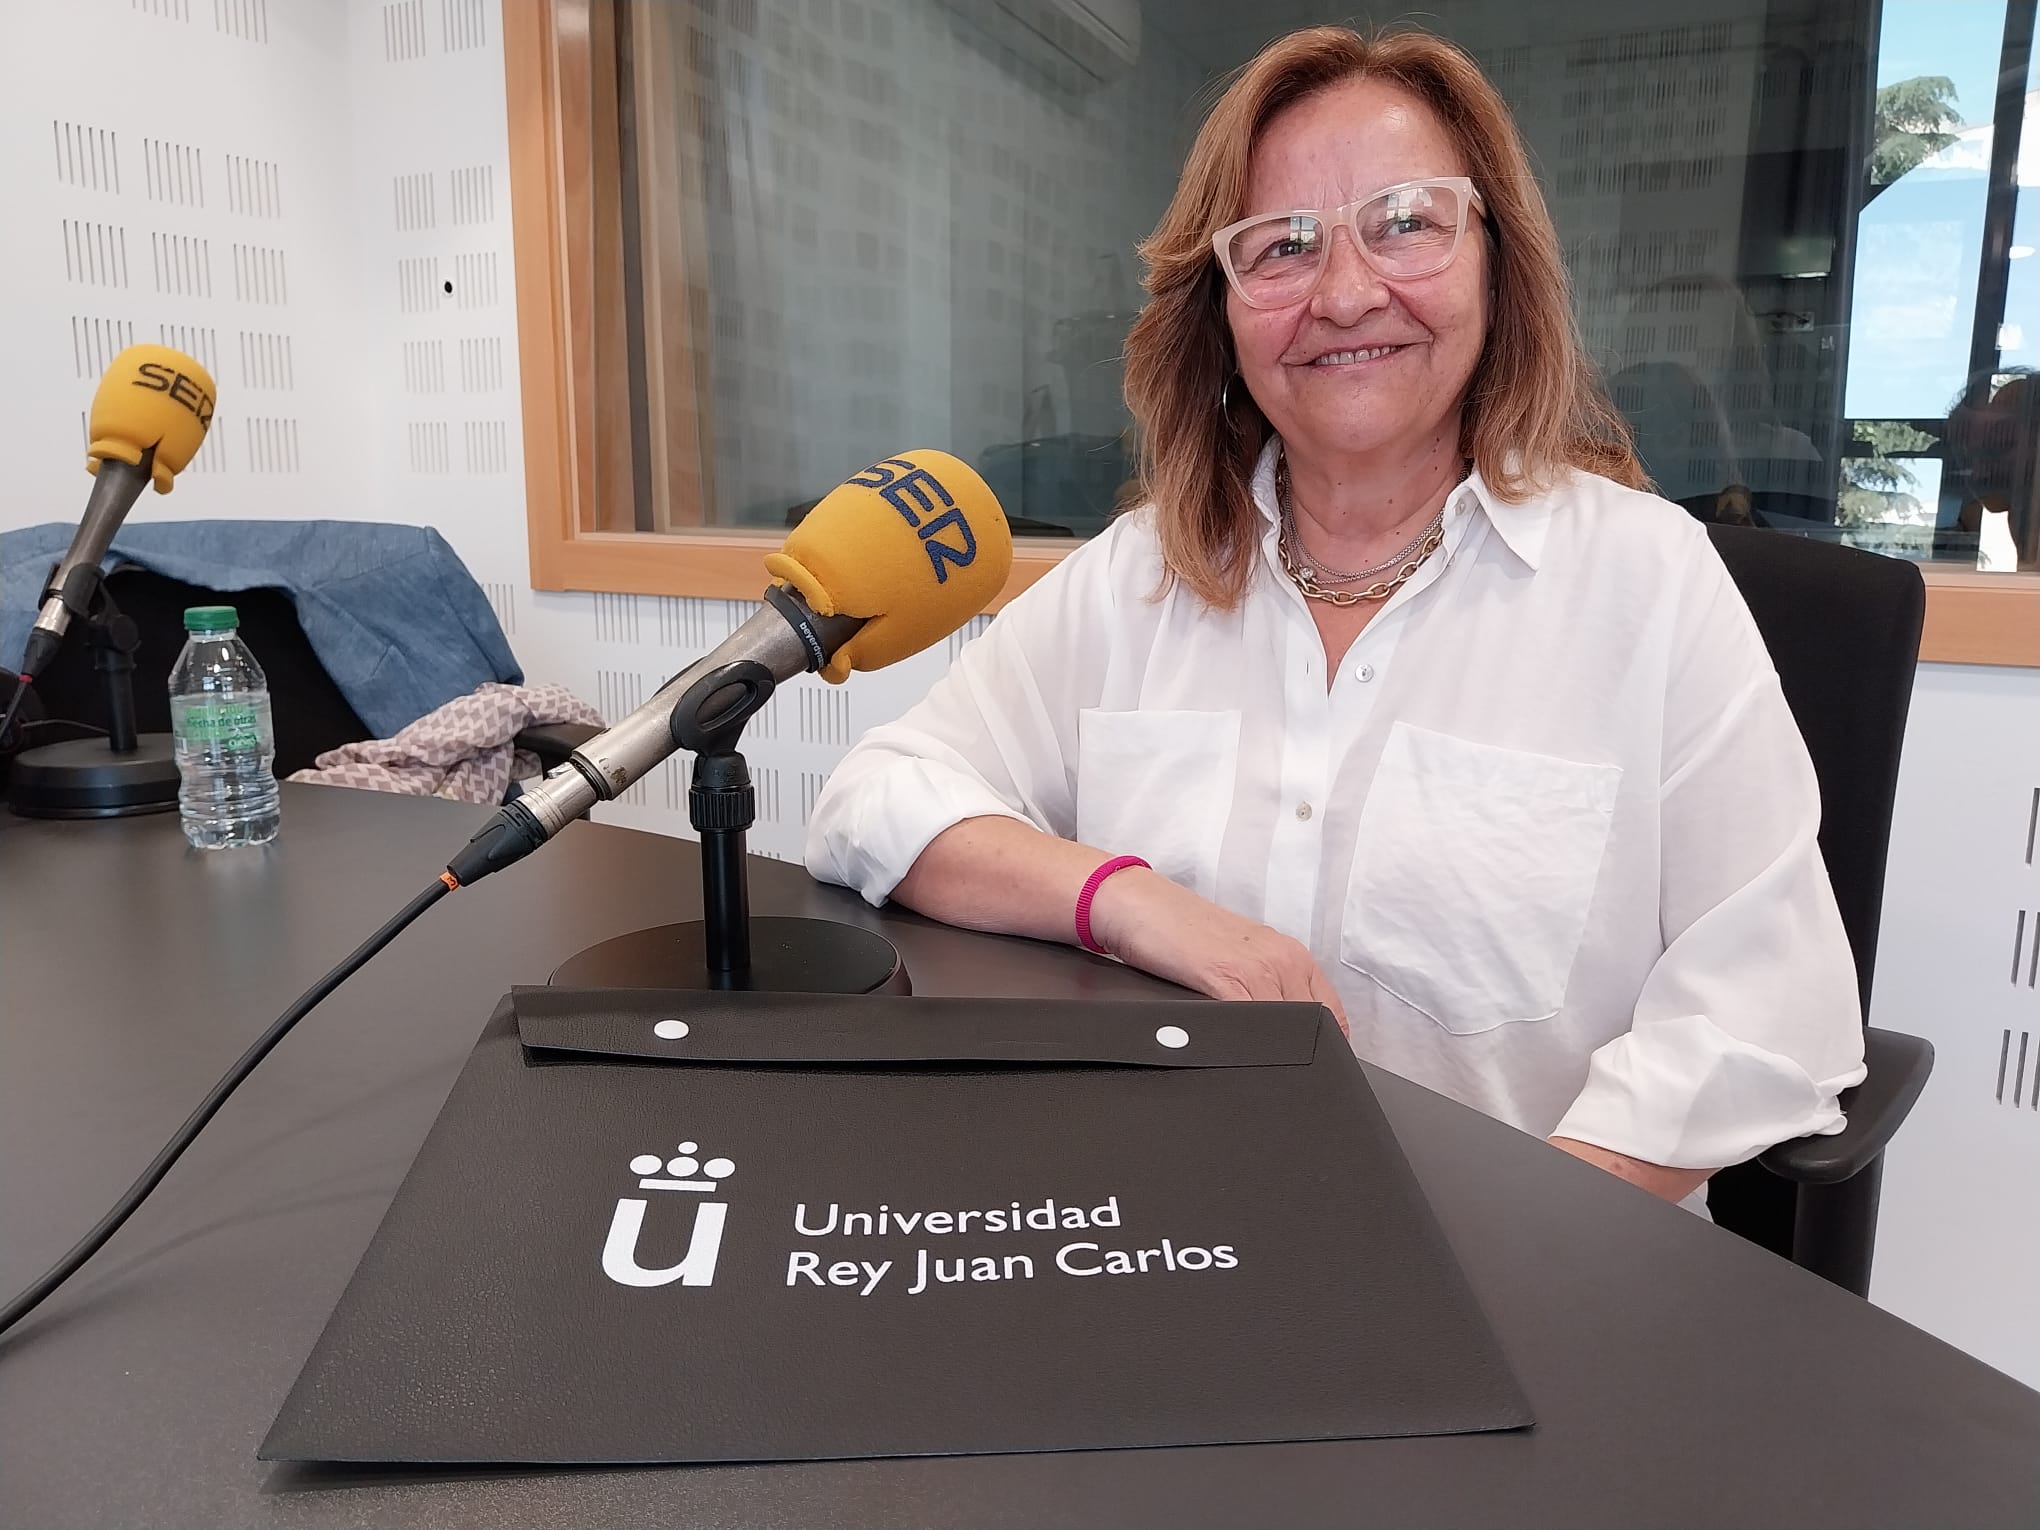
1959 1239
378 133
172 172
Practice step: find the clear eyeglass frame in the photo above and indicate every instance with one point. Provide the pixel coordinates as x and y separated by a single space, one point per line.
1331 219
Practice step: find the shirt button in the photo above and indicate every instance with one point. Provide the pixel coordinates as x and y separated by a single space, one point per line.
1364 673
1303 811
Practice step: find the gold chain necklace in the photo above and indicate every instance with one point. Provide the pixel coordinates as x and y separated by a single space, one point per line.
1306 581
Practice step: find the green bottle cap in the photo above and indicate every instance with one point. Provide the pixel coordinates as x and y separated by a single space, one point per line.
211 619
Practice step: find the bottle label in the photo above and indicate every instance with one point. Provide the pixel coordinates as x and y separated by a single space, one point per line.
228 724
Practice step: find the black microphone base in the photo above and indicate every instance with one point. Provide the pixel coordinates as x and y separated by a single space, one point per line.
83 778
787 956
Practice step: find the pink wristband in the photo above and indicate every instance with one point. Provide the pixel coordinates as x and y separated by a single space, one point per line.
1091 886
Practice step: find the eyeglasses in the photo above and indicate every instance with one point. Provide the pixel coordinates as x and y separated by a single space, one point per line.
1403 232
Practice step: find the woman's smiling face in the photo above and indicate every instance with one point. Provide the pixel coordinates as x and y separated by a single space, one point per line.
1365 362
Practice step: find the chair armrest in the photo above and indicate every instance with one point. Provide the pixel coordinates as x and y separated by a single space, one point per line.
1898 1066
553 742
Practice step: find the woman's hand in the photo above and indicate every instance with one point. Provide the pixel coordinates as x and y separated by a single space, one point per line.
1149 922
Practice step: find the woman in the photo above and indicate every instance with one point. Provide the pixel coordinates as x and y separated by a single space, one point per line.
1415 704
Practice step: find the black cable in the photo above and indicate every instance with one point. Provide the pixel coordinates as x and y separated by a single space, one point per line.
109 1224
21 685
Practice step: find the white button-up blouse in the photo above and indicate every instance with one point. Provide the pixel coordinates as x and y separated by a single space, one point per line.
1550 829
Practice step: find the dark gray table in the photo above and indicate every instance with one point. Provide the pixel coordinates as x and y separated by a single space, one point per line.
1680 1376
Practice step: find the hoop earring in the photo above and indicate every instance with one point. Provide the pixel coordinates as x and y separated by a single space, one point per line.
1225 398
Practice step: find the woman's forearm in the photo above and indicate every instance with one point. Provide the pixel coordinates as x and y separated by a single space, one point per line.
1670 1184
1000 875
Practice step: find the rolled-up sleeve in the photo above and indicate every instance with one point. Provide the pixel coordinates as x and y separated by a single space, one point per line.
994 737
1749 1025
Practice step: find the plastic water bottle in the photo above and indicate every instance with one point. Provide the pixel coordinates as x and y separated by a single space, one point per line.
226 744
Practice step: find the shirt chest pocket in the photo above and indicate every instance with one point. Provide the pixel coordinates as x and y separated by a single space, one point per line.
1158 785
1473 874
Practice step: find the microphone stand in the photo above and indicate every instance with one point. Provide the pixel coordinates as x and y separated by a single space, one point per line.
722 807
726 949
131 773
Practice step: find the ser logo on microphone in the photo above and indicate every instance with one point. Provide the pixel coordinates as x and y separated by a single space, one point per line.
158 378
916 493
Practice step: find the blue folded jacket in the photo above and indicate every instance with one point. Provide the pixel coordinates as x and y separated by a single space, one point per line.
391 611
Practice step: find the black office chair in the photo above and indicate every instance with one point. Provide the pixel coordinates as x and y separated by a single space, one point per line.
311 714
1843 630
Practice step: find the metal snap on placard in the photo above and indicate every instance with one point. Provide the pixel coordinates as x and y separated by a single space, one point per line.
670 1030
1173 1036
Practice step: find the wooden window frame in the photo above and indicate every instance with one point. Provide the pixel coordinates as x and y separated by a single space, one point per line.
1972 618
568 440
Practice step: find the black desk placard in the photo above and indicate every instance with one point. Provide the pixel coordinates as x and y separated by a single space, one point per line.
661 1227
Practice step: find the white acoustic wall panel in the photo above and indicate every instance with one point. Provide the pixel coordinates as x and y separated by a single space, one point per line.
1958 1247
178 171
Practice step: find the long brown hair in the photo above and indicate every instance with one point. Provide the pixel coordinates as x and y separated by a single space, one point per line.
1533 406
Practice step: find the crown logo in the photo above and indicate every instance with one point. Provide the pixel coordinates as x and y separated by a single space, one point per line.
686 1172
681 1173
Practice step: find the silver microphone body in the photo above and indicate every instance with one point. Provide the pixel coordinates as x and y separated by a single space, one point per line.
617 757
115 488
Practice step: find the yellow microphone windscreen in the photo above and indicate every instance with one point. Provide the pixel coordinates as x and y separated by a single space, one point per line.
917 544
151 396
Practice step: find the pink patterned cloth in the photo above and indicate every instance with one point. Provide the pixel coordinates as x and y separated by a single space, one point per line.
462 750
